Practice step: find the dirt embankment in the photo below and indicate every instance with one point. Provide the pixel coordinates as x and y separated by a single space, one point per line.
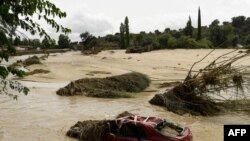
109 87
28 52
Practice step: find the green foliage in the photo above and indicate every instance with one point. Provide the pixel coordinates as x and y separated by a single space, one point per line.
3 39
64 41
247 42
48 43
205 43
3 72
127 34
10 13
228 34
238 21
122 36
172 43
163 40
199 25
187 42
157 32
88 40
220 36
216 22
45 43
109 42
11 10
176 34
14 85
112 39
15 71
188 31
36 43
17 41
144 40
25 42
217 35
235 40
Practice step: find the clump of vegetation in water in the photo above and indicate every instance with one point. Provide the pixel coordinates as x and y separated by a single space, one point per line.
200 93
93 130
109 87
90 130
27 62
36 71
31 61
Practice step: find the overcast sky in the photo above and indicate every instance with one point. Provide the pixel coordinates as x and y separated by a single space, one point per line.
101 17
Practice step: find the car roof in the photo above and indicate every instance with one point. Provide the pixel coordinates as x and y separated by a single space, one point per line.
139 120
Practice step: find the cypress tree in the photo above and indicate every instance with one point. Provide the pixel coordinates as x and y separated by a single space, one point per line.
122 36
189 28
199 24
127 42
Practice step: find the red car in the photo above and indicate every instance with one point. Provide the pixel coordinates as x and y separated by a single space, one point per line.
136 128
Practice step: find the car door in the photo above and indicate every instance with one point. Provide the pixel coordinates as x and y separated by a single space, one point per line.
109 137
130 132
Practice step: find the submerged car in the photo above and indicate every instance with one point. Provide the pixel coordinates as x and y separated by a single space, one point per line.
137 128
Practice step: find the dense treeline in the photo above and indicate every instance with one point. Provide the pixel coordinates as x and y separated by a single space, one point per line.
216 35
231 34
35 43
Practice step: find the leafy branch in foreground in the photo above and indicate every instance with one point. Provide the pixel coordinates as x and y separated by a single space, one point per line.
14 85
20 13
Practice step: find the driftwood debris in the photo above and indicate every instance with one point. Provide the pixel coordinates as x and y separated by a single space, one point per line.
93 130
206 91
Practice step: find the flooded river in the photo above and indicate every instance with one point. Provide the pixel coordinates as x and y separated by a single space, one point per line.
44 116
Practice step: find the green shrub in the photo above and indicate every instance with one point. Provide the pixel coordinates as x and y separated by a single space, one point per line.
204 43
247 40
163 40
31 61
187 42
172 43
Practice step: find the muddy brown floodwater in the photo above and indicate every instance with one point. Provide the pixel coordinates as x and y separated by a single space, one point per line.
44 116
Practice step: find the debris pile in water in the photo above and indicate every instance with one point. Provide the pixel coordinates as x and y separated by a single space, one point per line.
92 130
37 71
198 93
31 61
109 87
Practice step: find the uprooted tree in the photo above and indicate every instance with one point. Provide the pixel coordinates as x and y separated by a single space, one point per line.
218 86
